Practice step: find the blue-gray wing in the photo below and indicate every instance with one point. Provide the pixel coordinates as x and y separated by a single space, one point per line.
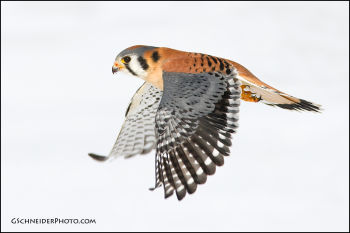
137 135
196 117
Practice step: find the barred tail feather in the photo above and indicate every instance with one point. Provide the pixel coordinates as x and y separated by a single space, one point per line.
301 105
254 90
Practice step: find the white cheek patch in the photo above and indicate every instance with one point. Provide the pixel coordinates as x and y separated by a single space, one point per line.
126 71
136 67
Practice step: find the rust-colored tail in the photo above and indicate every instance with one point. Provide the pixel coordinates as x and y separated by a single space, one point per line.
254 90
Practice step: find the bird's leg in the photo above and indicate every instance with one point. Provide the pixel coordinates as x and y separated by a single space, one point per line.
247 95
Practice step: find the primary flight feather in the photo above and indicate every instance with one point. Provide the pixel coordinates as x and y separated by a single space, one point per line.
187 110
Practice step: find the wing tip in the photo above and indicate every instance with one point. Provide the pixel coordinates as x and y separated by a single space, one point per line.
100 158
180 196
153 188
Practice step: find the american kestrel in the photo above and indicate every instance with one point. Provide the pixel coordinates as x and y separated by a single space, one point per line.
187 109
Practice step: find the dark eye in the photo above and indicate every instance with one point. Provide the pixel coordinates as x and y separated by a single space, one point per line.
126 59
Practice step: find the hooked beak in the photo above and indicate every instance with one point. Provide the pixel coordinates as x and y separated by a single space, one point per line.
116 67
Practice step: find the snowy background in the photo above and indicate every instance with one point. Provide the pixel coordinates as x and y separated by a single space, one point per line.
288 170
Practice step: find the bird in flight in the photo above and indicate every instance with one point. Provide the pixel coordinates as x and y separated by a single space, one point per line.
187 110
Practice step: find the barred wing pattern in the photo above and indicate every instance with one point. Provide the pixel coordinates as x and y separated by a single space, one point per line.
137 135
196 118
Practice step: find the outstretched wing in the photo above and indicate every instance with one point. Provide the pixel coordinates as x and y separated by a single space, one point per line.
196 117
137 135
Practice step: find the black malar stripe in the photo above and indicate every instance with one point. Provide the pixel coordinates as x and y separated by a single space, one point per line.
130 70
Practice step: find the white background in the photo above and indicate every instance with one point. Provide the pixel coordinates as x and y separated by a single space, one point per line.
288 170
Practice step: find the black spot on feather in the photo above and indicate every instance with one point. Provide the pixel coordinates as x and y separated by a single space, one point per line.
143 63
209 62
221 64
155 56
214 59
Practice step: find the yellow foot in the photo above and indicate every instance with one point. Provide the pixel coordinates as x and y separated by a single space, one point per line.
248 95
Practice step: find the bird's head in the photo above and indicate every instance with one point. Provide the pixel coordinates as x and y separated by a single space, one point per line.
132 61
